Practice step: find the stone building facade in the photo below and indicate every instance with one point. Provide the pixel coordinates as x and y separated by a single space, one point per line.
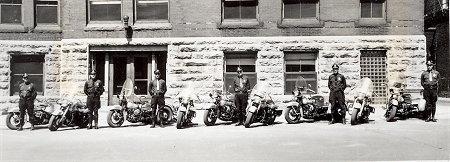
196 43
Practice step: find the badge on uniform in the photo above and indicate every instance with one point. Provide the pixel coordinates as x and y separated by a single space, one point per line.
339 79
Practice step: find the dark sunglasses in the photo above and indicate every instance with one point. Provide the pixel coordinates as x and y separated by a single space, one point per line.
25 77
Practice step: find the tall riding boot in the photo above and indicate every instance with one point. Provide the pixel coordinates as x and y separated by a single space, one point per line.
332 118
32 126
20 125
31 122
343 118
239 119
89 126
433 112
153 122
96 121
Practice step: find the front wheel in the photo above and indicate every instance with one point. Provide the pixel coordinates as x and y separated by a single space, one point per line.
55 122
115 118
354 119
209 118
291 116
13 121
248 120
180 120
392 113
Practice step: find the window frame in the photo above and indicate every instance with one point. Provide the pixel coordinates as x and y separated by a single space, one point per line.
299 10
58 9
151 20
12 88
383 9
300 73
21 12
89 21
240 13
252 56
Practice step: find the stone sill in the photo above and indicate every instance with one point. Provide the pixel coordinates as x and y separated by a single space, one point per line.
105 26
12 28
371 22
152 26
306 23
48 29
253 24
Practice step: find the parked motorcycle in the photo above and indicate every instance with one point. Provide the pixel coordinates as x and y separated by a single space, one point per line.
360 108
42 113
223 107
400 103
186 103
307 104
261 107
72 112
136 109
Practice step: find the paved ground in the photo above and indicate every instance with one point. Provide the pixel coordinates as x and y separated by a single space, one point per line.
405 140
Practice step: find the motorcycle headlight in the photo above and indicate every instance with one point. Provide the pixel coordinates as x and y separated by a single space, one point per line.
394 96
185 101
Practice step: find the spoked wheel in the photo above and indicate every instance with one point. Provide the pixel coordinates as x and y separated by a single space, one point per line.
354 119
13 121
180 120
392 113
115 118
248 120
291 116
210 117
55 122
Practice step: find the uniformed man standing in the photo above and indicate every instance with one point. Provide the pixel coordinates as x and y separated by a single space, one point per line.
430 84
93 88
241 87
337 85
27 93
157 88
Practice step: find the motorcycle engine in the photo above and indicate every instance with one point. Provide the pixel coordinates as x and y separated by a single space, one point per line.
38 114
137 112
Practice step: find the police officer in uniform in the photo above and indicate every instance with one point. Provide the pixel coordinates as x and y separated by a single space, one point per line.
27 93
430 84
157 88
241 87
337 85
93 88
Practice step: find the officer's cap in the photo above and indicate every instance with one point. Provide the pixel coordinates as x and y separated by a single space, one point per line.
25 75
157 72
93 72
239 69
430 63
335 66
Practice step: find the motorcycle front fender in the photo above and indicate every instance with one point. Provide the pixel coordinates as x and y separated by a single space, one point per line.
182 109
292 104
13 110
209 106
394 102
117 107
252 109
57 112
357 105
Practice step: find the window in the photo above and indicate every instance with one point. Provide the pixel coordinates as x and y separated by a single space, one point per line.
246 61
11 11
239 9
372 8
300 64
33 65
105 10
47 12
152 10
300 9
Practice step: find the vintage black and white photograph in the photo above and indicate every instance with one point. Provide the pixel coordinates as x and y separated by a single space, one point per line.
224 80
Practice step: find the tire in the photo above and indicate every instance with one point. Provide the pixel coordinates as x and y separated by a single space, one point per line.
248 120
180 120
288 116
54 123
354 118
113 120
13 121
272 119
391 116
208 119
166 115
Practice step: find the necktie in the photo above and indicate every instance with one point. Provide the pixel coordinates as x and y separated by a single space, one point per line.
430 77
157 84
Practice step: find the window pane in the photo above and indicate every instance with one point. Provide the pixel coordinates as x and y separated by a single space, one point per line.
291 10
31 64
308 10
248 10
377 10
300 64
152 11
105 11
11 1
47 14
231 10
366 10
11 14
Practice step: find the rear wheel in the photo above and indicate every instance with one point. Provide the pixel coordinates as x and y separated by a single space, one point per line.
166 115
180 120
291 116
392 113
55 122
354 119
209 118
248 120
115 118
13 121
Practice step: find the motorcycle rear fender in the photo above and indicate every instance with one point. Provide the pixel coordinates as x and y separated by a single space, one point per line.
252 109
57 112
13 110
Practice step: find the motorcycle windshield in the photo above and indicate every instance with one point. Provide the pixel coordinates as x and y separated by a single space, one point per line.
301 85
128 90
188 92
364 87
262 88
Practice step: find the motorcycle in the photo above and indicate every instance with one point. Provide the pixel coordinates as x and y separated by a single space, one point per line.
223 107
307 104
360 108
134 110
261 107
72 112
186 103
400 103
42 113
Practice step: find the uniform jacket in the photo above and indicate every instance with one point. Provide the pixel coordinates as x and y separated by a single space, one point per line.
93 87
27 91
152 87
245 83
425 79
337 82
